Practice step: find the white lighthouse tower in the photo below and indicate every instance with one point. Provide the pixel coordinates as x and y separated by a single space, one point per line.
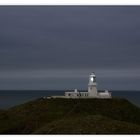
92 89
91 93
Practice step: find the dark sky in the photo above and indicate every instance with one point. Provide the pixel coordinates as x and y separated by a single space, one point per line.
57 47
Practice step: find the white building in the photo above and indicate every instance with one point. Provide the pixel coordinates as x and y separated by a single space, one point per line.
91 93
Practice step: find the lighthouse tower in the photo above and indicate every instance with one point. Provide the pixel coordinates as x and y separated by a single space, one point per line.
92 90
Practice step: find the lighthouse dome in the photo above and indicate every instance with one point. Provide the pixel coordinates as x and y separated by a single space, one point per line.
92 74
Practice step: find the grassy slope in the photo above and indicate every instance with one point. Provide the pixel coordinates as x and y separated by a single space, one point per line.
90 124
72 116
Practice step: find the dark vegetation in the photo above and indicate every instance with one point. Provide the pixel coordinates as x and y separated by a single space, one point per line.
72 116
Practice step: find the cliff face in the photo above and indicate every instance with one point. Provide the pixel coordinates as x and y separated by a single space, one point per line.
72 116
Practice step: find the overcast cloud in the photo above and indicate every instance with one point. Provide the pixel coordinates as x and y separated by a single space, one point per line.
56 47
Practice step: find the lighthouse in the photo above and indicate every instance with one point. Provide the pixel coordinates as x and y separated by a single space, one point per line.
91 93
92 86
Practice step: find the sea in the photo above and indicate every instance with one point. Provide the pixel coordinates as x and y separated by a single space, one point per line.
10 98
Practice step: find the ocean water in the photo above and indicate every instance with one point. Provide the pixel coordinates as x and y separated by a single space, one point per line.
10 98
